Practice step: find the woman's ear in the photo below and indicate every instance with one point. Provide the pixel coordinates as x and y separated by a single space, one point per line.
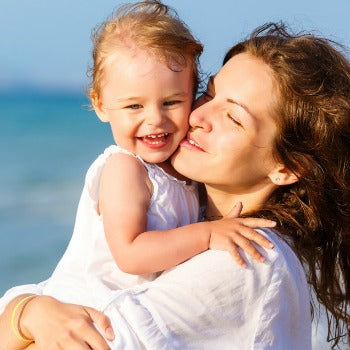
281 176
98 107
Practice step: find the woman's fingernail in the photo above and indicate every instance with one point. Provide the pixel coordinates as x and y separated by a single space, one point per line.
109 333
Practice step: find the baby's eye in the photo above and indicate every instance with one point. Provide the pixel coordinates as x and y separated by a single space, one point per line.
134 106
171 103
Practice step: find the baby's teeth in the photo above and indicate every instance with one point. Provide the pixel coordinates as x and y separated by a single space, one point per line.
159 135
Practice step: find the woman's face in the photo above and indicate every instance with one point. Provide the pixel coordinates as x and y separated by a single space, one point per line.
230 141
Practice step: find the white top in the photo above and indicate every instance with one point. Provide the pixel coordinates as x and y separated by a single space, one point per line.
209 303
87 272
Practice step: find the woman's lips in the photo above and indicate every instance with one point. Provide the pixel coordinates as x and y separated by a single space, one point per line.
191 144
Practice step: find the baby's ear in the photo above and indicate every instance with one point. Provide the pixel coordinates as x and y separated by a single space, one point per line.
98 107
282 176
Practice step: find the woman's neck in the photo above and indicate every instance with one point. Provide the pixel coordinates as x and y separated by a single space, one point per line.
221 202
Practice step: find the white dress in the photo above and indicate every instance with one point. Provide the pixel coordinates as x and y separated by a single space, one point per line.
209 302
87 272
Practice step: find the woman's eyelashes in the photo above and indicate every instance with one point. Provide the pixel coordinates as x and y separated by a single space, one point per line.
234 120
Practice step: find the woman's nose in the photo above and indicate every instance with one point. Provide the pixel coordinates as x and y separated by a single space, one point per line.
200 117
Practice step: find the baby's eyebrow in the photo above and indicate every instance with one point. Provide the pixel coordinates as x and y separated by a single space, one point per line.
118 101
176 94
127 99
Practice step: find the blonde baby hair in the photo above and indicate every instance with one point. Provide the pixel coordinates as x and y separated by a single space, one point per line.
146 25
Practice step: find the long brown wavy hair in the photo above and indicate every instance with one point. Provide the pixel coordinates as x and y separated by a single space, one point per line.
313 141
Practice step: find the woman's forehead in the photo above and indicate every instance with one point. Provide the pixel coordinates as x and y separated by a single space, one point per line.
247 80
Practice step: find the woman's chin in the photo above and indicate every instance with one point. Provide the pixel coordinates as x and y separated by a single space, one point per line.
179 162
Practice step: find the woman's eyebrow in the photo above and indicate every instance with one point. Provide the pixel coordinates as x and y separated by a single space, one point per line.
230 100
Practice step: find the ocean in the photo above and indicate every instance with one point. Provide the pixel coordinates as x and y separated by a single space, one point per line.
47 143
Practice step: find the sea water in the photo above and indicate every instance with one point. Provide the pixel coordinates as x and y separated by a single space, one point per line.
47 142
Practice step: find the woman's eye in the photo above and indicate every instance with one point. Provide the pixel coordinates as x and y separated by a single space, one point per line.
134 106
171 103
235 121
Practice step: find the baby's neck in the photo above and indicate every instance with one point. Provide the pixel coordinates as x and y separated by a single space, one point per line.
168 168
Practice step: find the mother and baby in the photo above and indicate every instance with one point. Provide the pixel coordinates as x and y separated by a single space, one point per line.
271 131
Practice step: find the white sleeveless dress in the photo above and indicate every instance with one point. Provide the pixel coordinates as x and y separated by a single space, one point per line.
87 273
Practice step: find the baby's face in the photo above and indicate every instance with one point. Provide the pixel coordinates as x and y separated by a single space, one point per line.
146 103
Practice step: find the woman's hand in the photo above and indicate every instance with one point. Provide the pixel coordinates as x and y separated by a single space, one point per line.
55 325
233 233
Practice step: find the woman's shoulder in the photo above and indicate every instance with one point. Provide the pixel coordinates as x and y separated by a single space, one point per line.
285 315
282 256
281 263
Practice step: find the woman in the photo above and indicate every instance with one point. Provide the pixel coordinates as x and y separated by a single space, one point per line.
273 133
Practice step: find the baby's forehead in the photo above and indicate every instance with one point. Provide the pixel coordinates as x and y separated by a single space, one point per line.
174 60
127 59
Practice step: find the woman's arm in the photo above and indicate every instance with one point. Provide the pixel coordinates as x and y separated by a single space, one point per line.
125 193
8 340
53 325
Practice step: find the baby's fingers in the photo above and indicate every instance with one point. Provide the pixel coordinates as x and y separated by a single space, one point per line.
255 236
235 211
237 256
256 222
247 246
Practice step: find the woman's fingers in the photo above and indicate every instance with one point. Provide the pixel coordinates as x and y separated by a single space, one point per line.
80 334
55 325
93 339
102 321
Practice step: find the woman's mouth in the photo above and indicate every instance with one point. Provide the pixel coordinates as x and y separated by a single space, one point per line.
191 144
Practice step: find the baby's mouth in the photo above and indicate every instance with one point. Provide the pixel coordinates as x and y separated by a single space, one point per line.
155 139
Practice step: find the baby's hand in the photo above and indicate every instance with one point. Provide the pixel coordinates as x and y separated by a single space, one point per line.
233 233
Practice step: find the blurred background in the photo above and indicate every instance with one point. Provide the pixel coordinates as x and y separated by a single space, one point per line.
48 136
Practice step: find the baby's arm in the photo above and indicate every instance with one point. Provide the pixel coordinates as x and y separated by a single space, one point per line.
125 193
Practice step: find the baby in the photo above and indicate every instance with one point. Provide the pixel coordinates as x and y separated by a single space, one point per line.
136 215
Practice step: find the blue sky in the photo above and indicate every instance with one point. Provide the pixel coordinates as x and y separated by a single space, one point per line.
46 44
